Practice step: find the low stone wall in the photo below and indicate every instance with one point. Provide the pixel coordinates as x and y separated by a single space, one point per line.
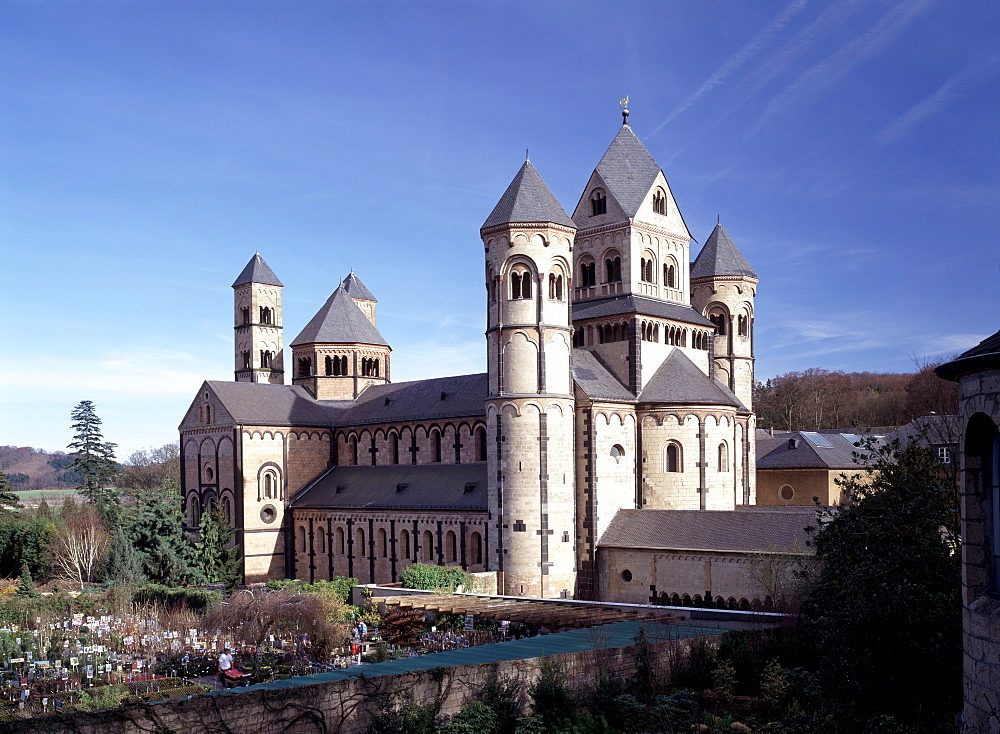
344 706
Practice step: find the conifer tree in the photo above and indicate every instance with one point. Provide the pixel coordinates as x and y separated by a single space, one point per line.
219 561
26 587
10 503
94 461
125 563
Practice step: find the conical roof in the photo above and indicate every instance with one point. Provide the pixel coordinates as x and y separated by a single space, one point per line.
356 289
983 356
257 271
340 321
628 170
528 199
720 256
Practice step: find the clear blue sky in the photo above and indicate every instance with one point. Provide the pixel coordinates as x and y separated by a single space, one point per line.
147 149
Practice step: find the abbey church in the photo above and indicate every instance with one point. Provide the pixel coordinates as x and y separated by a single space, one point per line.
617 403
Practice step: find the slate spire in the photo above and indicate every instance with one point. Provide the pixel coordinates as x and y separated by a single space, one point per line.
720 256
339 321
257 271
528 199
356 289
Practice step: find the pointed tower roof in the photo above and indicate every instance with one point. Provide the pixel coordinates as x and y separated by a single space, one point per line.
340 321
720 256
678 380
257 271
356 289
528 199
628 170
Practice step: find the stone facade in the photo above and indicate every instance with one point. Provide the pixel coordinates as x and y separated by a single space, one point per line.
978 374
601 396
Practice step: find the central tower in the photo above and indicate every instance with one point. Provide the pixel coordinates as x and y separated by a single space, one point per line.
529 408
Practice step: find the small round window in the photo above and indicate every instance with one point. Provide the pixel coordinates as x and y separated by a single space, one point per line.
786 492
209 474
626 575
268 513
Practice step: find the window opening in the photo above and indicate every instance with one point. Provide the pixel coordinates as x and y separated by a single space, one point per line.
598 203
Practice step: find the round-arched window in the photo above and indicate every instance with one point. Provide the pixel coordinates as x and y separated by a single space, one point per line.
617 452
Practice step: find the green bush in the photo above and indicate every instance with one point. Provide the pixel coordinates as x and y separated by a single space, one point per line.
551 700
432 578
473 718
339 588
177 598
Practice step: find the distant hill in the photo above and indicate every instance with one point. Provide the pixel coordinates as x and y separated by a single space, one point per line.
33 469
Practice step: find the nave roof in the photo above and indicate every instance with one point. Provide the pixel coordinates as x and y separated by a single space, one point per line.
679 380
627 304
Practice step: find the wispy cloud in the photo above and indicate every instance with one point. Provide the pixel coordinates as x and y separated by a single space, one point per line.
750 49
819 77
957 84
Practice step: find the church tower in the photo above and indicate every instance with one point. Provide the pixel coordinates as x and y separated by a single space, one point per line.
339 353
723 287
257 321
529 408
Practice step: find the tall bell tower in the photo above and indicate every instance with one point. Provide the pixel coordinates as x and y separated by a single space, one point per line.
723 288
528 240
257 324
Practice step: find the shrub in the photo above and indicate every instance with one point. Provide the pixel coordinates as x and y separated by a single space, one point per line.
551 699
174 599
432 578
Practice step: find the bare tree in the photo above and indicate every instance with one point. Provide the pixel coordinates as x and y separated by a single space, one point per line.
80 544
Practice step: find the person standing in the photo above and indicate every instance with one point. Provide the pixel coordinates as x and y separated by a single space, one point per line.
225 663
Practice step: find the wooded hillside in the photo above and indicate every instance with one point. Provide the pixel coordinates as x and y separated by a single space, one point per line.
817 398
27 468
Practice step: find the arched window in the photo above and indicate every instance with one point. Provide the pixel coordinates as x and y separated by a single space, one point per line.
428 546
265 315
245 314
192 512
480 444
555 287
723 457
720 322
587 273
305 367
383 543
477 549
598 203
359 543
354 450
395 448
329 365
646 270
613 270
302 539
673 457
246 360
659 202
338 538
269 485
451 546
320 541
436 441
265 359
404 542
617 452
743 325
520 285
669 277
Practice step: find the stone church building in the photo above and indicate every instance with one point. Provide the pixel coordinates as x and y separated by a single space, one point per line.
619 381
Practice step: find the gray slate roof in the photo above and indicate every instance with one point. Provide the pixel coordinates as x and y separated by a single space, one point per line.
628 170
935 430
356 289
464 395
809 453
720 256
257 271
983 356
596 381
429 487
339 321
625 304
260 403
738 531
678 380
528 199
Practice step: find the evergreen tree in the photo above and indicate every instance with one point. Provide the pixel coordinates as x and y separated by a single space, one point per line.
885 615
125 563
94 462
156 529
26 588
10 503
219 561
